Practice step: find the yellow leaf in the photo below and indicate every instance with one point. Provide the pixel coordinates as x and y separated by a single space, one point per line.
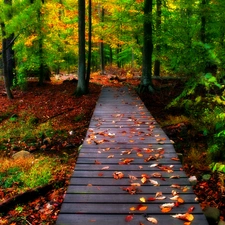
142 199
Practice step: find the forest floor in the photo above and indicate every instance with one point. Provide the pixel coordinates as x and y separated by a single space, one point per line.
55 102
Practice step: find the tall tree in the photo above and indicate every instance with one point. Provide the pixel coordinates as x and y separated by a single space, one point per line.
101 47
82 83
89 42
8 53
158 35
146 78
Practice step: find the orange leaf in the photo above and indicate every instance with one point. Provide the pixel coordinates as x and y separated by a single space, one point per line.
165 210
132 208
141 207
185 217
118 175
180 200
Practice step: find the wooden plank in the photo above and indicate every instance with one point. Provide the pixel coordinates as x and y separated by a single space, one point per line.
123 198
122 182
122 208
101 219
117 161
122 129
144 167
137 174
144 190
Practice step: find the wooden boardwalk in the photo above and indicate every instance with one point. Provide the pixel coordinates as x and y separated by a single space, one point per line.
127 170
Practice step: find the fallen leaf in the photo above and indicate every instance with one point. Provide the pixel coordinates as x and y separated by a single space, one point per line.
135 184
175 177
105 168
111 135
126 161
118 175
175 186
110 156
166 210
142 199
151 219
160 197
185 189
140 167
180 200
127 152
167 205
154 182
158 175
191 209
159 193
141 207
97 162
153 165
100 174
132 208
175 158
185 217
139 154
151 199
129 218
143 180
132 177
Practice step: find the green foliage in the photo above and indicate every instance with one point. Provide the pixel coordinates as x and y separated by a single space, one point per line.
39 174
219 167
78 117
11 177
24 128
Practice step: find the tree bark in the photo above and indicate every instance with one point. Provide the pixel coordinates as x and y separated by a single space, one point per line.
146 79
101 47
6 58
81 85
158 34
89 43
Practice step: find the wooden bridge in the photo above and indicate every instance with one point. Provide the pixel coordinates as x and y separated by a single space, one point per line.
128 171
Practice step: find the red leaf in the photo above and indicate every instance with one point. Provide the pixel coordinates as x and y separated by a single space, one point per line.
191 209
151 199
129 218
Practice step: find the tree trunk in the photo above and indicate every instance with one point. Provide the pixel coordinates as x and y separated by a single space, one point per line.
40 47
81 85
8 54
6 59
158 34
101 46
203 21
146 79
89 44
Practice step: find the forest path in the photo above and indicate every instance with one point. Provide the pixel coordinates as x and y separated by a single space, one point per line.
127 170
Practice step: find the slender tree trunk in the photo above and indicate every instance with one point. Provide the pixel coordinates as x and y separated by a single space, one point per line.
203 21
89 44
81 86
40 47
146 79
6 59
158 34
101 45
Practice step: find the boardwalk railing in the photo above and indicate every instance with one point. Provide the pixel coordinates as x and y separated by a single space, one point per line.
127 171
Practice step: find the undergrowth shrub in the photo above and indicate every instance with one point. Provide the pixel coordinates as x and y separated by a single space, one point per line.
203 100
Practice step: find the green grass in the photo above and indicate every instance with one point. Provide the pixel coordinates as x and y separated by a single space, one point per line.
26 173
